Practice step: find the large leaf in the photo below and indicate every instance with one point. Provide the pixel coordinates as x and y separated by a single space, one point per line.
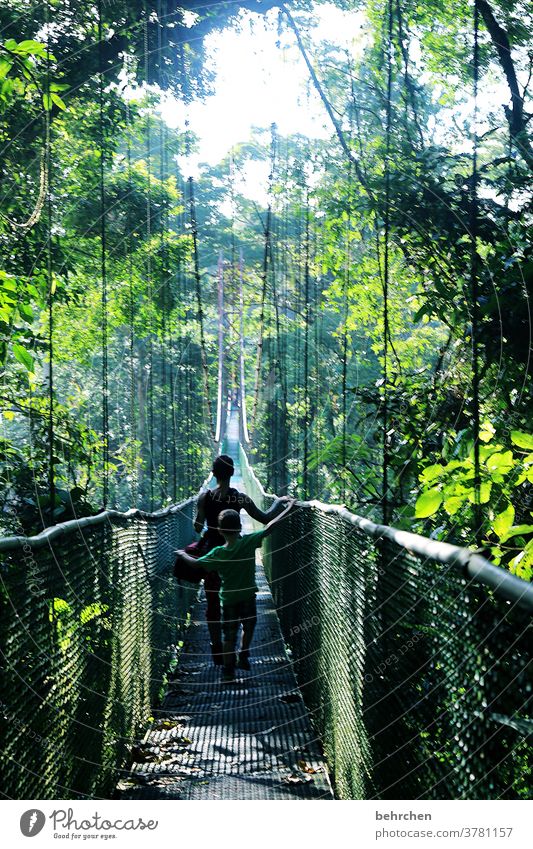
431 473
523 440
453 504
515 530
503 521
486 432
30 48
23 356
500 463
428 503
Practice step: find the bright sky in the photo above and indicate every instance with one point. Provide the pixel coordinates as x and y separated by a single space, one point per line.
258 83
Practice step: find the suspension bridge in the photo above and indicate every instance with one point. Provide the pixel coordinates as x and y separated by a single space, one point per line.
385 665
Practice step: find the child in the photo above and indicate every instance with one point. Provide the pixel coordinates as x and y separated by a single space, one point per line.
235 563
210 504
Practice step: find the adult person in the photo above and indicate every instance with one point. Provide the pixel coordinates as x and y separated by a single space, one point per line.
235 563
210 504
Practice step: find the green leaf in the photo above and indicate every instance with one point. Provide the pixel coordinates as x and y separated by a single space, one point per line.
516 530
431 473
526 475
428 503
486 432
30 47
23 356
500 463
92 611
59 605
58 101
522 564
425 309
503 521
6 311
5 67
47 102
523 440
25 311
453 504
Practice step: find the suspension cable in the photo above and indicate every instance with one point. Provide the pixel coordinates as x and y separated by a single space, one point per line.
149 278
131 311
264 278
163 223
103 267
198 289
305 471
244 420
385 410
220 394
50 280
474 286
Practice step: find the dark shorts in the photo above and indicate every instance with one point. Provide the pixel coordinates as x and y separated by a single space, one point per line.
233 615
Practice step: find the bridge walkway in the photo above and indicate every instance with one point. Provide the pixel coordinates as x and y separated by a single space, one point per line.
250 740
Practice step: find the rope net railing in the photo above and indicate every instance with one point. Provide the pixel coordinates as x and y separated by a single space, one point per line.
413 656
91 617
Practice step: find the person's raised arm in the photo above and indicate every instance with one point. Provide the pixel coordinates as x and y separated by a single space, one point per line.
263 516
271 525
200 513
181 554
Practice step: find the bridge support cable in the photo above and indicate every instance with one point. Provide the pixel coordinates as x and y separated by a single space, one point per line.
221 396
149 280
386 227
103 265
264 278
47 165
279 435
245 437
307 318
434 717
166 367
345 312
131 316
474 288
199 304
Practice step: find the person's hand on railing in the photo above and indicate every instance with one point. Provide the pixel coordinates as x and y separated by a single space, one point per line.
288 506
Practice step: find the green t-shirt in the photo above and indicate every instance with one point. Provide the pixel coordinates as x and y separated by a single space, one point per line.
236 567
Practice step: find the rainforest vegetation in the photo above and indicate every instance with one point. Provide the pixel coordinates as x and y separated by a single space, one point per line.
384 285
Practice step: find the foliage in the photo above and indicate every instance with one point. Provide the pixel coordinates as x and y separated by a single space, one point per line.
391 210
450 487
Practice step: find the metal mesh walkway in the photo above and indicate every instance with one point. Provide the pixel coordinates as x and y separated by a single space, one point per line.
249 740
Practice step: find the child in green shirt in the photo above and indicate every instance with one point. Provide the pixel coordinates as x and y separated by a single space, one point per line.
235 563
